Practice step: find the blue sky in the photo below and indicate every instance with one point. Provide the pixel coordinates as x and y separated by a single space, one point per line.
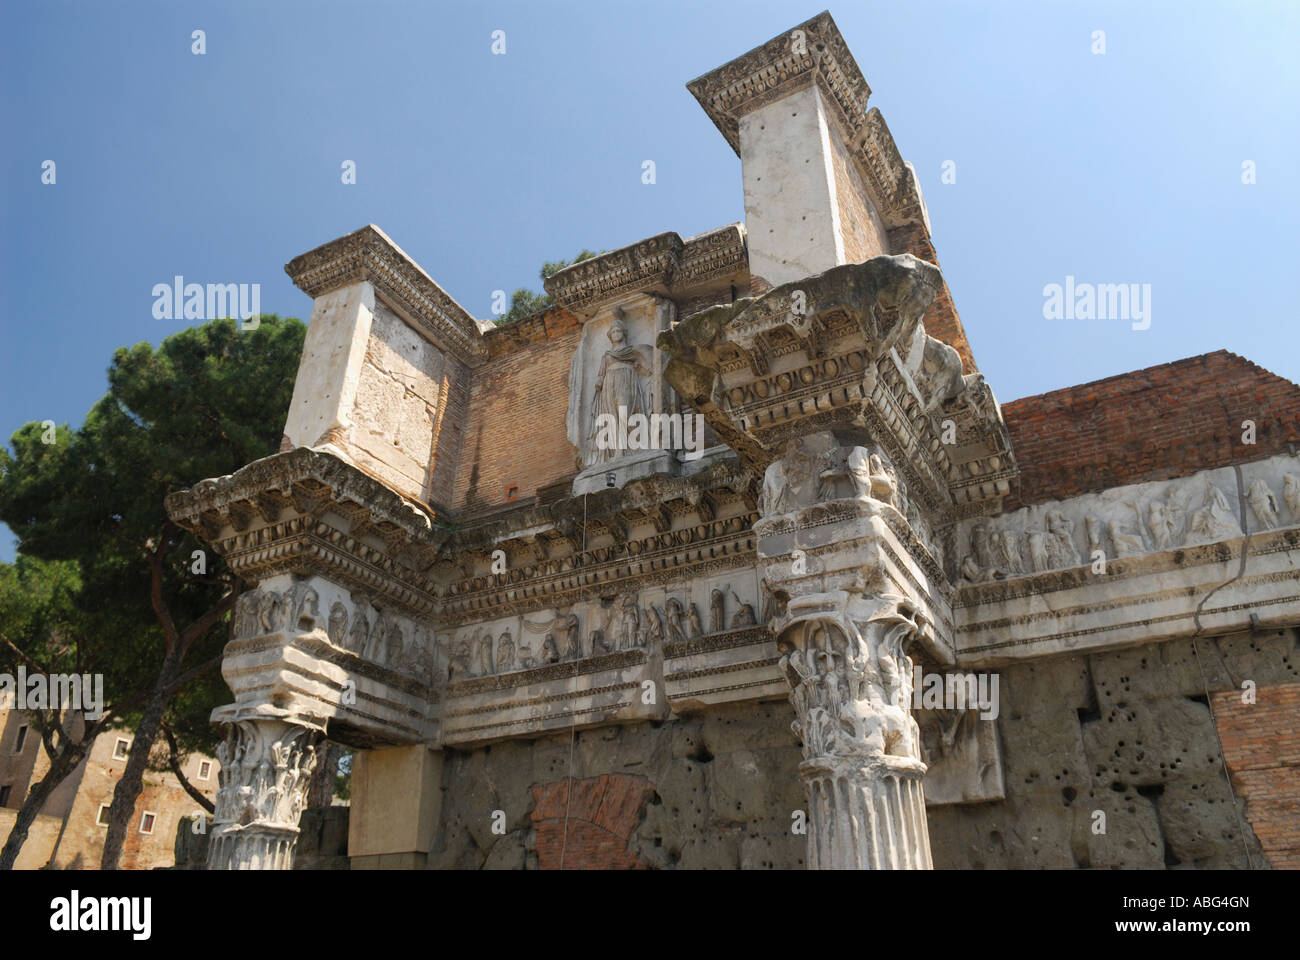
1122 167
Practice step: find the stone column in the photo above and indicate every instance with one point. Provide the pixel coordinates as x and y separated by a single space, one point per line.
266 767
850 684
832 545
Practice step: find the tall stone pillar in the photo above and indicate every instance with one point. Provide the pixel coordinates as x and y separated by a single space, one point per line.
266 767
829 543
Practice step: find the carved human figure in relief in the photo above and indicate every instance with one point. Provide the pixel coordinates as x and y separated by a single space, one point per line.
694 629
1291 494
1215 519
791 482
572 638
505 653
620 384
716 621
1165 520
1126 544
744 615
1263 503
1061 552
629 623
676 631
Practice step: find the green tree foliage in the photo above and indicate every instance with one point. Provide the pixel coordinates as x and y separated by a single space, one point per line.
206 402
525 302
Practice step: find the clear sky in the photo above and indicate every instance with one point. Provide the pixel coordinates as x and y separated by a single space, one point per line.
1122 167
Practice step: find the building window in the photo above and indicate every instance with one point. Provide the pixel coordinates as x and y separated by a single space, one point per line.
22 739
146 822
205 770
121 749
102 817
4 794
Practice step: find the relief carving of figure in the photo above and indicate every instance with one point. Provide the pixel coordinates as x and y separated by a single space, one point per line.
1126 544
791 482
1291 494
629 623
485 656
245 619
1215 519
550 652
458 669
620 384
308 609
505 653
716 621
394 645
359 633
572 638
675 632
1060 543
1165 520
694 629
744 615
270 610
598 644
654 628
1263 503
338 624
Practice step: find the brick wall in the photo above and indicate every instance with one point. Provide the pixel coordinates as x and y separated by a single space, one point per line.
1261 742
592 830
1153 424
518 402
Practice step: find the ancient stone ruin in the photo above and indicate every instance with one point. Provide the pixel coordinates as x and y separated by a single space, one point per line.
656 577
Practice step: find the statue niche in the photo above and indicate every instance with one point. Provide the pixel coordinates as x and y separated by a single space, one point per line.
621 390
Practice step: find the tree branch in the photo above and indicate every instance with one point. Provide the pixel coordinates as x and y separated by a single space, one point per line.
173 759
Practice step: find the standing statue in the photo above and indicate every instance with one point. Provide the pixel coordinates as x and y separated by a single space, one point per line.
676 631
620 386
572 639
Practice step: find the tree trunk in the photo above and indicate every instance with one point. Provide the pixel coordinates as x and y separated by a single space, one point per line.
60 768
128 789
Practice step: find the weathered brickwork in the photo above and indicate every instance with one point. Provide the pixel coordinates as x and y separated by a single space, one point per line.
1153 424
515 443
1261 741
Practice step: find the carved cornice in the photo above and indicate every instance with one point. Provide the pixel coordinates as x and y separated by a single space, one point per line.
368 254
846 347
815 54
662 264
306 511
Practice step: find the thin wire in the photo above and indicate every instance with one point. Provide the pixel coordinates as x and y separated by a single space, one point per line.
573 729
1205 682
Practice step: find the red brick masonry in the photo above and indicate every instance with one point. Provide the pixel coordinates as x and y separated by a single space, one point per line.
604 812
1153 424
1261 742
